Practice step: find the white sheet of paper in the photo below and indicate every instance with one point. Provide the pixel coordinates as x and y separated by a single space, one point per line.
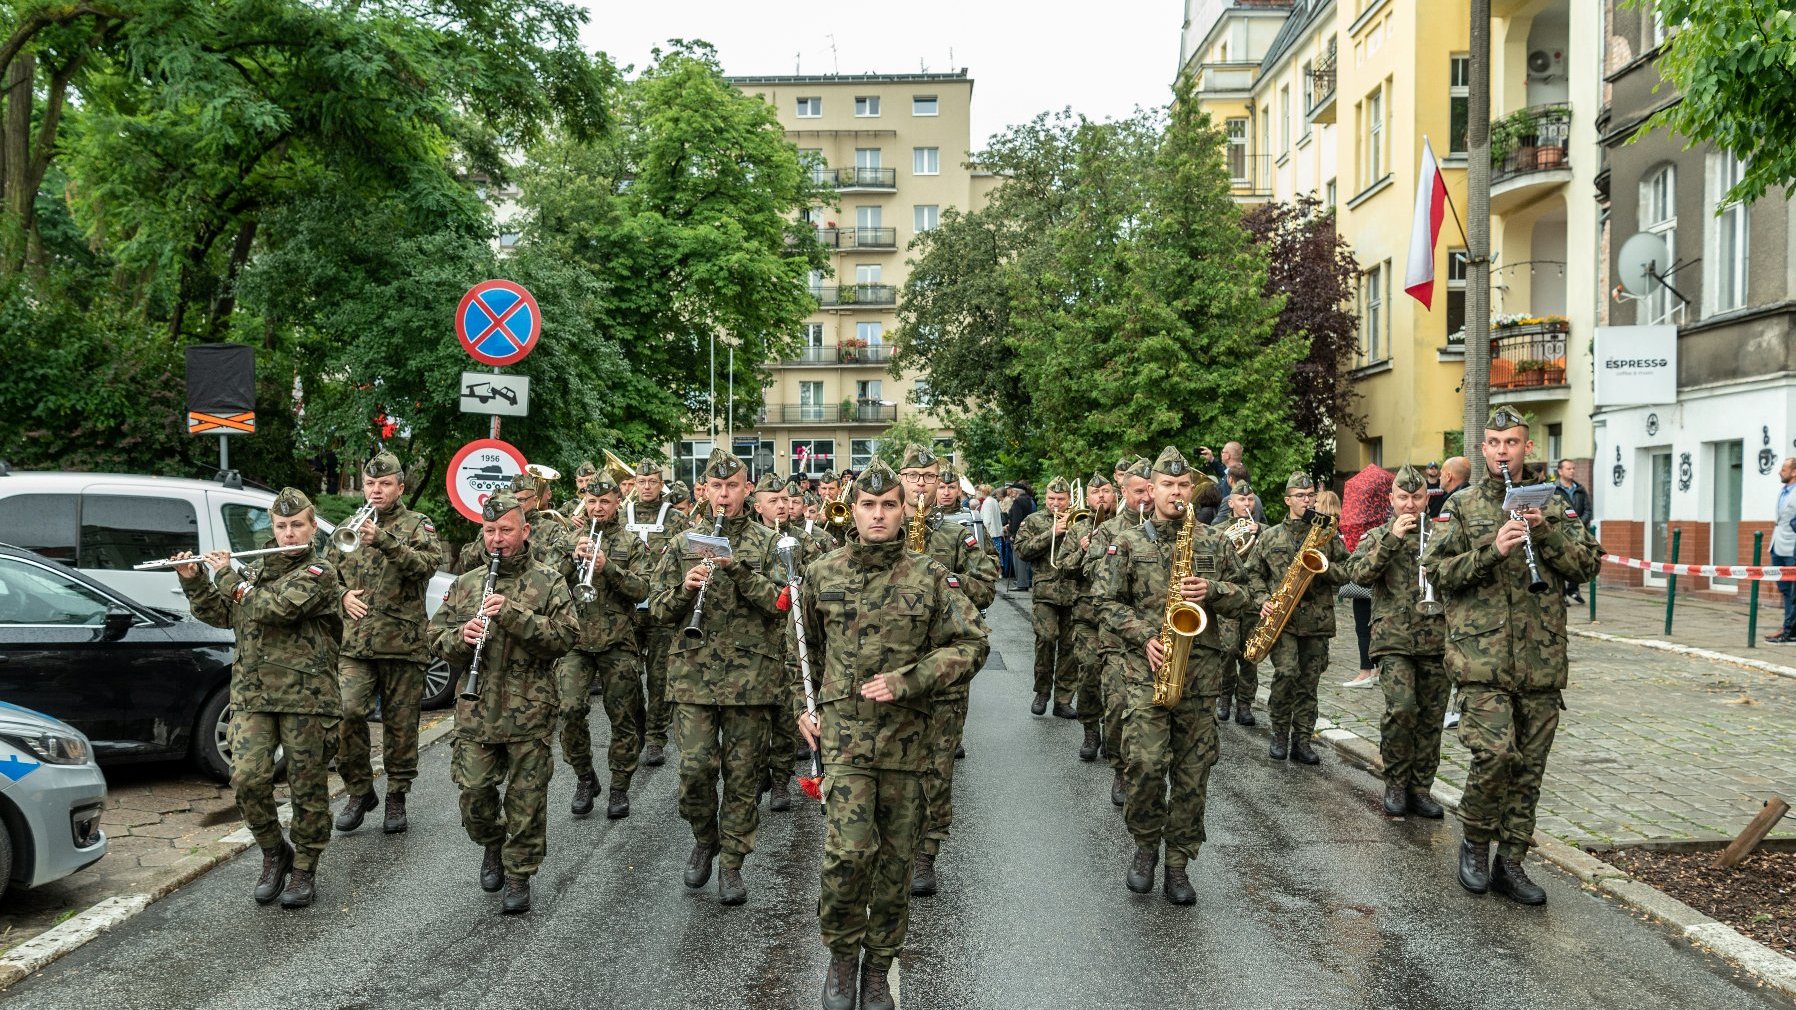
702 544
1528 496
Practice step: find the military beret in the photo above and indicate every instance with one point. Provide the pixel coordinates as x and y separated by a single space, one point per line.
877 478
498 505
771 481
1096 480
1171 462
383 464
1409 479
794 490
647 468
603 483
722 465
291 502
1058 485
1503 417
917 457
1299 481
585 469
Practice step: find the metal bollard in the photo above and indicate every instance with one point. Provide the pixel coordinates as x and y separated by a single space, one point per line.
1752 609
1671 586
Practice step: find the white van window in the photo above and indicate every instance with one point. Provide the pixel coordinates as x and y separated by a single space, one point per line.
247 526
118 531
42 523
31 595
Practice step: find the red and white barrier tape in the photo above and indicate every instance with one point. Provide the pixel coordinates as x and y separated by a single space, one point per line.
1751 573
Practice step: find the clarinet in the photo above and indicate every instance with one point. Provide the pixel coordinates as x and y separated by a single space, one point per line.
692 631
1536 584
472 691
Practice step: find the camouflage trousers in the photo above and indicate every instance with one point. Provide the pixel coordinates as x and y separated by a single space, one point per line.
1116 703
518 820
654 640
1088 674
1297 665
615 671
399 686
727 742
783 741
310 742
1240 679
1509 736
1169 754
946 724
1415 700
874 818
1054 652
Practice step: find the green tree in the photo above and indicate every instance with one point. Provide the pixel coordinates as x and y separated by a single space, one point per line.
905 431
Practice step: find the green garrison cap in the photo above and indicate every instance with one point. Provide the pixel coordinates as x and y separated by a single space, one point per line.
1242 488
877 478
1299 481
1171 462
497 506
1058 485
1504 416
770 481
917 457
1409 479
793 490
949 476
291 502
603 483
1141 468
1123 464
722 465
647 468
383 464
586 469
679 492
1096 480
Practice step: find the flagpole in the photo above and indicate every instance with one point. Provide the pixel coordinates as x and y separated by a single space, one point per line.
1456 221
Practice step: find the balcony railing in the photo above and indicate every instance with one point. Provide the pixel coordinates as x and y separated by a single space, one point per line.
1322 86
862 178
1249 174
849 412
856 295
869 354
1535 139
858 238
1528 355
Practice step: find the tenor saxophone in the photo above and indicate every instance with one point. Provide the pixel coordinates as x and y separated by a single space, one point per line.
1309 563
916 533
1182 622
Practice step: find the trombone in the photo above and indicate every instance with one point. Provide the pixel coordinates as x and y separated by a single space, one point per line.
348 537
172 563
1076 511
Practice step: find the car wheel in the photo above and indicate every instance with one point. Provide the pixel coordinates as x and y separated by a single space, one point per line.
5 859
439 685
212 739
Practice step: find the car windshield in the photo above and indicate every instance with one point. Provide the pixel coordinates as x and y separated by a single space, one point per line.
33 595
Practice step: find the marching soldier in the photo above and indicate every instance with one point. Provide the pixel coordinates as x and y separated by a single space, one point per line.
1241 679
582 479
726 678
1300 653
283 690
550 543
1506 652
385 650
1176 745
1138 501
782 745
502 734
893 632
817 541
681 497
1100 498
1051 594
605 652
657 520
1407 644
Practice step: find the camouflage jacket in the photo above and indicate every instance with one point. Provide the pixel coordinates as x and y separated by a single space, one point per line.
285 614
1234 627
741 658
608 622
957 549
1034 538
1498 633
393 572
654 528
1070 559
536 626
1099 559
551 545
1132 594
1387 565
1266 565
874 609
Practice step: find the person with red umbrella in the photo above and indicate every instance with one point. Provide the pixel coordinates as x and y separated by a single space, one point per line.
1365 503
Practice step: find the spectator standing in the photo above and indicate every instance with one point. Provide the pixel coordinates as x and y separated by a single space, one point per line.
1020 508
1577 504
1783 548
1454 474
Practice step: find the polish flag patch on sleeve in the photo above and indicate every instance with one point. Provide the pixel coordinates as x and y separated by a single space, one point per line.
1110 550
429 527
972 541
1571 513
315 569
953 582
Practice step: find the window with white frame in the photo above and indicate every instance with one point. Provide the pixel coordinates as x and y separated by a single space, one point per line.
866 106
925 217
1309 95
1459 102
867 157
919 393
1456 274
924 105
870 333
926 161
1659 215
1375 294
1284 119
861 452
810 108
1329 193
1374 136
810 401
689 459
867 273
812 346
813 455
1236 130
1728 247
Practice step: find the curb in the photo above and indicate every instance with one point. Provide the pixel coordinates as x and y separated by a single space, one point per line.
1691 651
67 936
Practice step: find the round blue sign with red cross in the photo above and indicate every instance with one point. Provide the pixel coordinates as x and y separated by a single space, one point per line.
498 322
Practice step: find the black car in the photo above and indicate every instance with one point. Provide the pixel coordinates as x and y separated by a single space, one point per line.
144 684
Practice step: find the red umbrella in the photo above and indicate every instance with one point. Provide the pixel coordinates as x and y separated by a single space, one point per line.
1365 502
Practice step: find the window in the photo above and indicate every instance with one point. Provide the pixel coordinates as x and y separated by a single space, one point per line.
1237 137
867 157
508 240
1555 442
812 159
812 456
919 393
1375 323
1328 193
689 459
926 161
1373 450
866 273
810 108
866 105
811 348
810 401
861 452
1309 95
870 333
1459 102
925 216
867 390
1655 27
1658 215
33 595
118 531
1729 228
1456 273
1284 119
924 105
867 223
247 527
41 523
1374 136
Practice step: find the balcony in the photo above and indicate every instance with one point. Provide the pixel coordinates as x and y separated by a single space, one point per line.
1250 176
849 353
846 412
1322 86
860 180
1530 155
1527 359
856 296
859 239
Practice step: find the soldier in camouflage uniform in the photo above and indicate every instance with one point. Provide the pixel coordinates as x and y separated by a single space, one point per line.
1052 597
1300 653
1169 751
1506 652
889 631
770 507
1240 679
799 526
656 520
728 684
605 652
573 507
502 734
1100 499
1137 504
1407 645
283 609
551 540
385 651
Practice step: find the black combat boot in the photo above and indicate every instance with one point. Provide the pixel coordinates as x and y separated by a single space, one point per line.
838 984
1141 870
395 822
876 988
1244 714
1301 750
1065 711
356 809
730 888
1177 886
584 787
698 865
1119 794
654 755
492 870
275 867
1422 805
517 895
1088 749
960 751
1507 878
1395 800
922 875
1281 745
301 888
1222 709
1039 705
619 807
1474 866
780 797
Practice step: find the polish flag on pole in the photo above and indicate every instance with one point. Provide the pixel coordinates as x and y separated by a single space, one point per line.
1431 207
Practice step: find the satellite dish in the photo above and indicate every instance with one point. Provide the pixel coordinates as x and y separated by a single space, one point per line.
1643 259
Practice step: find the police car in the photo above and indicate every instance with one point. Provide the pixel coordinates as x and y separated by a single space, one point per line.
51 796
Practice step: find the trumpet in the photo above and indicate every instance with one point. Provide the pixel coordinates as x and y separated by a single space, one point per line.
584 591
1536 584
692 632
347 537
472 690
1427 606
172 563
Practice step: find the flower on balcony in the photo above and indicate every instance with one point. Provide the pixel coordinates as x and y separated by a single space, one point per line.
1509 319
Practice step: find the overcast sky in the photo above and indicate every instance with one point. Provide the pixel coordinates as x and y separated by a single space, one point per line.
1101 59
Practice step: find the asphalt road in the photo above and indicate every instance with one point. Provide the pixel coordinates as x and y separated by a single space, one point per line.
1307 897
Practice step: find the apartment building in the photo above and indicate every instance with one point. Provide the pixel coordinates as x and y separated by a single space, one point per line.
893 148
1223 43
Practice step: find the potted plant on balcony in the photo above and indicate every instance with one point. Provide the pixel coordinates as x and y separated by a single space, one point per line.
851 349
847 410
1530 372
1550 156
1515 133
845 294
1555 372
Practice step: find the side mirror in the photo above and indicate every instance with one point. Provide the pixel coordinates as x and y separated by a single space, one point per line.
118 621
